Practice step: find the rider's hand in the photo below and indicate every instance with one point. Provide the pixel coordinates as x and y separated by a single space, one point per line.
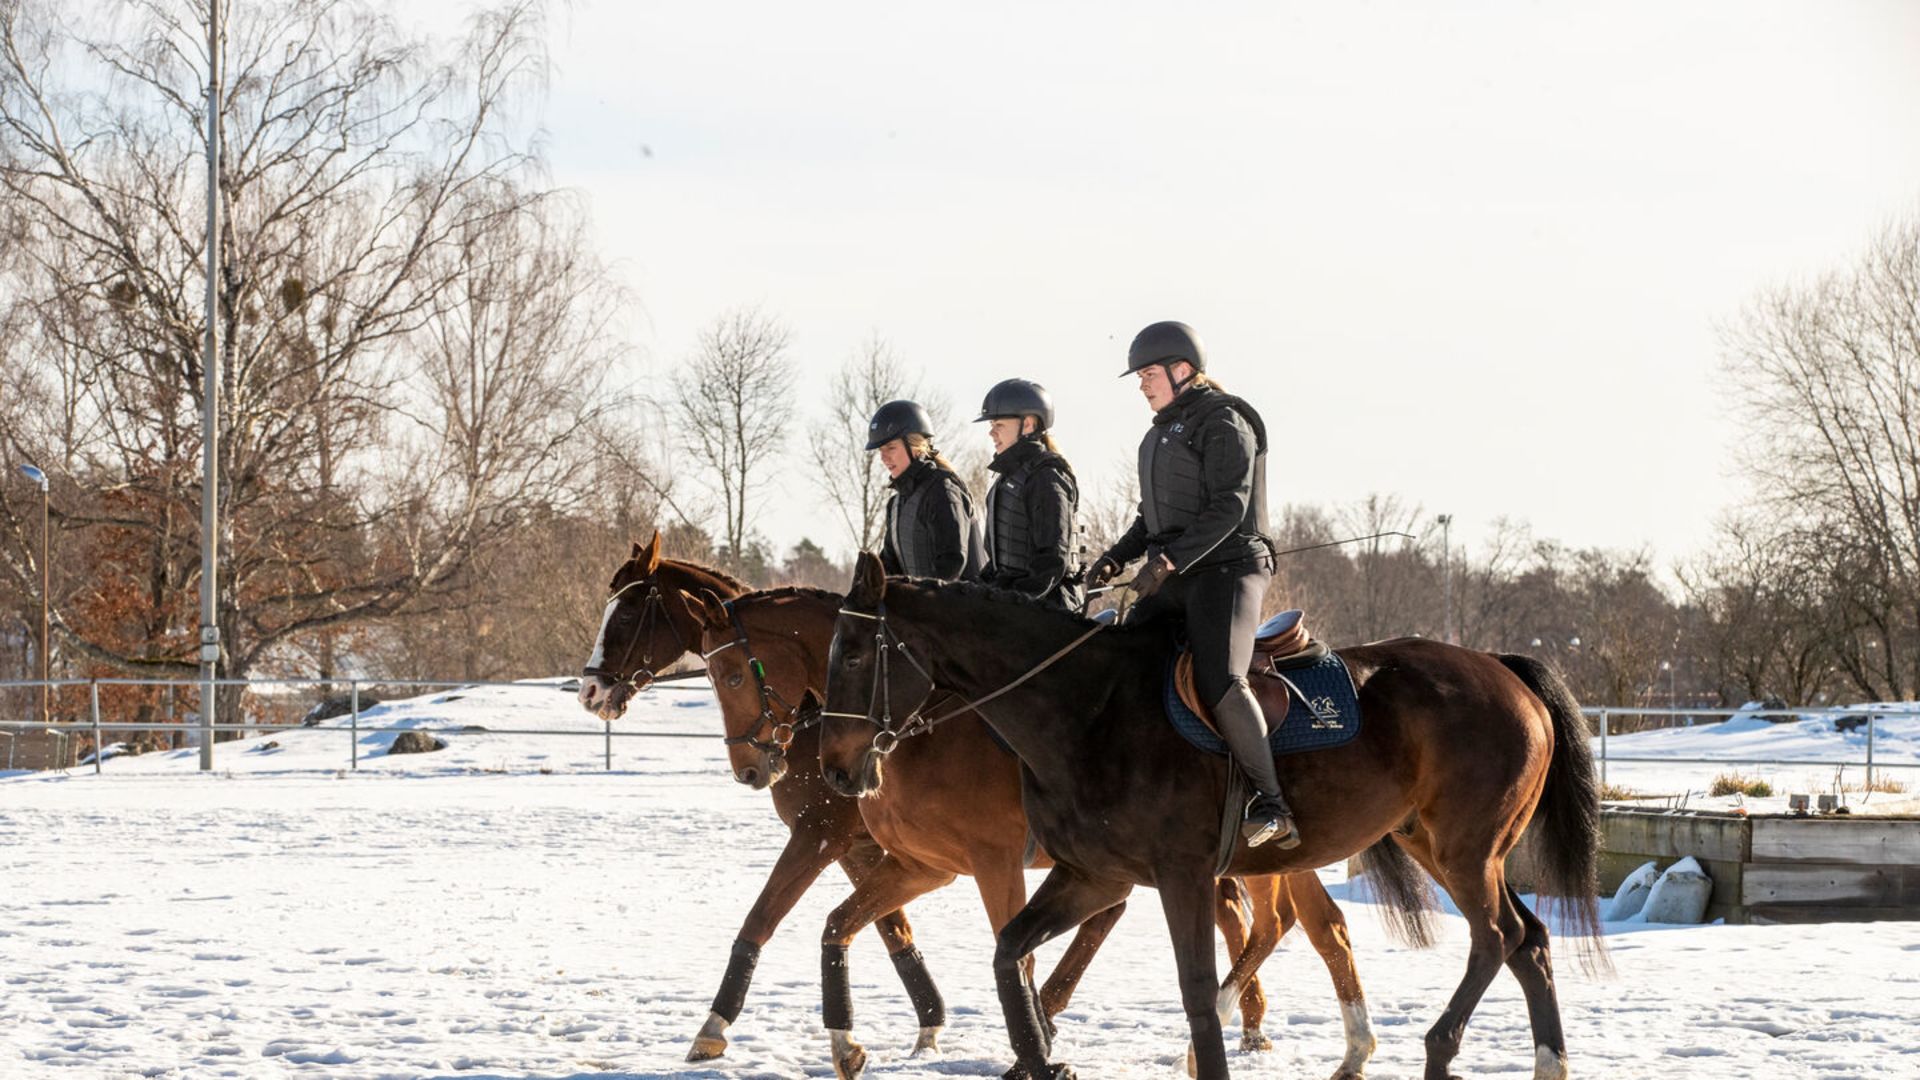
1151 576
1105 569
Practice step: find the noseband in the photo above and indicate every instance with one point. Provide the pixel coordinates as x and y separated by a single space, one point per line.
656 609
780 731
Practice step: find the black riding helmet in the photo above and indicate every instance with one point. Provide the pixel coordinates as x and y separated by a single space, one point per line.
897 420
1013 399
1164 343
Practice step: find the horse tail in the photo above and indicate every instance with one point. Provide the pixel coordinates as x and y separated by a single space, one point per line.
1566 833
1402 889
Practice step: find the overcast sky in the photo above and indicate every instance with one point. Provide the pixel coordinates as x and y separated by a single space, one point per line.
1473 257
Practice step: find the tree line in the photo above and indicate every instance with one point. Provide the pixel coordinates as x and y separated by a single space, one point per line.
432 457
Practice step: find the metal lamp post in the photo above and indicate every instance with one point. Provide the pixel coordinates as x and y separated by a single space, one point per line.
46 580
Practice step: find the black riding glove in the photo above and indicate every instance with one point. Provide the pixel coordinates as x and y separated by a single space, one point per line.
1104 569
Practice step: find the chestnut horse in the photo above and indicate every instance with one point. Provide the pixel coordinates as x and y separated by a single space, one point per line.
954 809
644 630
1457 752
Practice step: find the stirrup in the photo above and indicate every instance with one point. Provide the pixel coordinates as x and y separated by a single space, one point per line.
1275 824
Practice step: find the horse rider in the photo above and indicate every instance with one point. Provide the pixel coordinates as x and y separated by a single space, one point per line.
1202 527
1031 505
932 527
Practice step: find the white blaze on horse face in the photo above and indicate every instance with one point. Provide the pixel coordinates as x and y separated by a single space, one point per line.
599 657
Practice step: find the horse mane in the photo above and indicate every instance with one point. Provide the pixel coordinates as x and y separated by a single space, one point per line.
781 592
978 591
726 579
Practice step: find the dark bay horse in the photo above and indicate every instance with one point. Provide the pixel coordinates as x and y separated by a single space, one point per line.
644 630
1458 751
954 809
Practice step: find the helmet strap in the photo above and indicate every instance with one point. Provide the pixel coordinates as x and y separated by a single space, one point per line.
1179 385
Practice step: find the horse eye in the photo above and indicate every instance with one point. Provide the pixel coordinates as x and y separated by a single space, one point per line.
851 662
734 680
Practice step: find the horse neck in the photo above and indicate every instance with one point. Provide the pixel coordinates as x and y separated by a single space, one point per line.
800 622
976 646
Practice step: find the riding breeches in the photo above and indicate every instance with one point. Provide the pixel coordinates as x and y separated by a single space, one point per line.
1221 608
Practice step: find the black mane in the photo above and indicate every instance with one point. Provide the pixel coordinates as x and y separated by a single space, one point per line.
781 592
978 591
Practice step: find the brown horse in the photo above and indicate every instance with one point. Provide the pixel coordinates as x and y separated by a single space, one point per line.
1457 751
955 809
646 629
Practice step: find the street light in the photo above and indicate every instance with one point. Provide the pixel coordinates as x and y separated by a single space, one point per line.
34 474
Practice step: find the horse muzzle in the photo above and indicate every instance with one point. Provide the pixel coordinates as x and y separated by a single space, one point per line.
863 781
764 774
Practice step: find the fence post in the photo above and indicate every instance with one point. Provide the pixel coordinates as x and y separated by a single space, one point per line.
100 750
1871 717
353 725
609 750
1603 748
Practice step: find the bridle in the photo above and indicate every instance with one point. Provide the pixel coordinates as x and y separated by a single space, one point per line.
655 610
888 738
780 731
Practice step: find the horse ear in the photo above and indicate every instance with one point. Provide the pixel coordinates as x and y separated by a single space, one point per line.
704 607
650 555
869 581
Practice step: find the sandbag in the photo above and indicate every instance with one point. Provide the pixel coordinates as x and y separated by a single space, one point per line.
1631 896
1680 896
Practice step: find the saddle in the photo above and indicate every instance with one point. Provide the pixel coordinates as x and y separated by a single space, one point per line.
1280 644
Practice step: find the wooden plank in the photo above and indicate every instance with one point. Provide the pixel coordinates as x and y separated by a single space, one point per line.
1823 883
1674 836
1827 913
1859 841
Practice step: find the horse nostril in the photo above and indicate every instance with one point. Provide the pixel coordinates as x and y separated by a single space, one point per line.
750 776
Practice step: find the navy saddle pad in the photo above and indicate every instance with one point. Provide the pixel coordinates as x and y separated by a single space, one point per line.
1323 711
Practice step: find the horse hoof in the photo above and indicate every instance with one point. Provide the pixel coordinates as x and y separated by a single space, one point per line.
849 1057
1054 1072
711 1041
705 1049
929 1040
1344 1073
1255 1040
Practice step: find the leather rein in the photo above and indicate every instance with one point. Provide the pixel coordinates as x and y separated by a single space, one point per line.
889 737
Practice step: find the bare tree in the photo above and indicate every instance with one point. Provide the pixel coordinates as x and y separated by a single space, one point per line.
849 476
373 189
733 408
1830 373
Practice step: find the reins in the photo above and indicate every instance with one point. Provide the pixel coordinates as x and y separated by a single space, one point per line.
916 724
655 609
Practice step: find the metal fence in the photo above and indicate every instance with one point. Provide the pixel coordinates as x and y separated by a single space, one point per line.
1869 717
91 723
87 719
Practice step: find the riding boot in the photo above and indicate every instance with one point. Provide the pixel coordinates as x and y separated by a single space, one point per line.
1245 728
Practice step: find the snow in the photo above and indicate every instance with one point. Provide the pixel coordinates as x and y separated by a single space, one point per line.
465 914
1837 761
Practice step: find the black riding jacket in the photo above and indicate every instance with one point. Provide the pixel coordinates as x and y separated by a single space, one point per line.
1203 481
1030 511
932 528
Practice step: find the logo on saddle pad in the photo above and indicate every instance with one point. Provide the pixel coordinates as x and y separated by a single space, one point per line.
1326 713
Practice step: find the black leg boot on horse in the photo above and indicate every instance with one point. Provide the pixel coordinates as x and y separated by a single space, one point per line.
1244 726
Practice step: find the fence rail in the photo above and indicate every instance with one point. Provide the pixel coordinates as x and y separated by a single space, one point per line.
1601 716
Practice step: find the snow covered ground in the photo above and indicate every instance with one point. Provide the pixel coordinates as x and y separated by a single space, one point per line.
465 914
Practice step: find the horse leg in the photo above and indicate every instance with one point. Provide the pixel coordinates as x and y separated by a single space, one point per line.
1272 918
1532 965
887 887
1066 899
1326 928
897 933
1066 975
808 852
1187 900
1478 891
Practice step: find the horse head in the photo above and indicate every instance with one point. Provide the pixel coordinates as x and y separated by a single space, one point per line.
746 673
641 631
876 686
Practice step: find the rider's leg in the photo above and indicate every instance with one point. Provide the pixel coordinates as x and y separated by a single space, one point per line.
1223 610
